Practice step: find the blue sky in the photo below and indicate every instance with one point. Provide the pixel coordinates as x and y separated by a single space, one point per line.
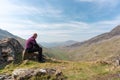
59 20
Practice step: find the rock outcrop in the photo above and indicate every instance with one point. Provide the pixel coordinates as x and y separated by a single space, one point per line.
37 74
34 74
5 77
10 49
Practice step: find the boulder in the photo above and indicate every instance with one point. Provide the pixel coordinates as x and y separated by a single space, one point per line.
10 50
29 56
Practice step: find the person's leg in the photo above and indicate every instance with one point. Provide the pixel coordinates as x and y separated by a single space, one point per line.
39 50
32 50
40 56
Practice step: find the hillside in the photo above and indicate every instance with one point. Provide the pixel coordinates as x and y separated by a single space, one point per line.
105 46
105 36
6 34
58 44
72 70
86 69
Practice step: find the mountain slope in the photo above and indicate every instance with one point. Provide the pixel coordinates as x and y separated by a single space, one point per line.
105 46
99 38
104 50
58 44
6 34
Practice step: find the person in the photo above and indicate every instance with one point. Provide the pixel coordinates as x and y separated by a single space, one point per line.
32 46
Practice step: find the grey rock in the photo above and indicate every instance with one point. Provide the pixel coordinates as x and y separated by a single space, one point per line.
5 77
22 74
10 49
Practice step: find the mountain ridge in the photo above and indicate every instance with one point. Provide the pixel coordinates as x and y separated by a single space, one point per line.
104 46
114 32
58 44
6 34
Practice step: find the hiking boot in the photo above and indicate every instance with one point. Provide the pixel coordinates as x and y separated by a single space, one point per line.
42 61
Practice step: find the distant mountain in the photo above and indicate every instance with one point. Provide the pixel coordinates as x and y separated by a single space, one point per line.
105 46
6 34
58 44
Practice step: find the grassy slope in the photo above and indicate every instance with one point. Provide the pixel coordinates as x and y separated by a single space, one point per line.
103 50
72 70
56 53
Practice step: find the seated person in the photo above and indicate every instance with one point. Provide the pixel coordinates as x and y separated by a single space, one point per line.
32 46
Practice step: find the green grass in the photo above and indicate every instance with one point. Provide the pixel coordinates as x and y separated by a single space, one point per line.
56 53
72 70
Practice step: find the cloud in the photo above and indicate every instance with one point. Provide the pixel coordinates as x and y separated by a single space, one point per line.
8 8
26 25
102 3
86 0
55 31
99 1
5 7
75 30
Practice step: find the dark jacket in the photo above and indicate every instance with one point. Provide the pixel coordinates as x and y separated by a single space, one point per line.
30 43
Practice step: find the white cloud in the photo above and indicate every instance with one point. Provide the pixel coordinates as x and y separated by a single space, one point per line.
5 7
51 31
60 31
99 1
107 3
8 8
86 0
102 3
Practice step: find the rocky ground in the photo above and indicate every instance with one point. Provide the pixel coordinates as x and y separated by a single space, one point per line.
110 77
34 74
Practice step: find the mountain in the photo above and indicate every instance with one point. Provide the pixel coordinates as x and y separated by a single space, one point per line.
58 44
102 37
6 34
105 46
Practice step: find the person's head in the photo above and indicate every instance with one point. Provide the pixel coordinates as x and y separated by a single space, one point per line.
34 35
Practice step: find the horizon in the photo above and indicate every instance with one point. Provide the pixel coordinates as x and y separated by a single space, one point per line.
77 20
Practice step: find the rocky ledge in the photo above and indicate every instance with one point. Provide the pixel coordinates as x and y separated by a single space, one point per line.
34 74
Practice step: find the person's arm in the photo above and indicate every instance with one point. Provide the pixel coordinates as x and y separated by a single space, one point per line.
35 44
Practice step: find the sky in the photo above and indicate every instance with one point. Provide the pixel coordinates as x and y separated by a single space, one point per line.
59 20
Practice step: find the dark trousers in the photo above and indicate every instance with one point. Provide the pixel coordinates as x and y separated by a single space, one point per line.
36 49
